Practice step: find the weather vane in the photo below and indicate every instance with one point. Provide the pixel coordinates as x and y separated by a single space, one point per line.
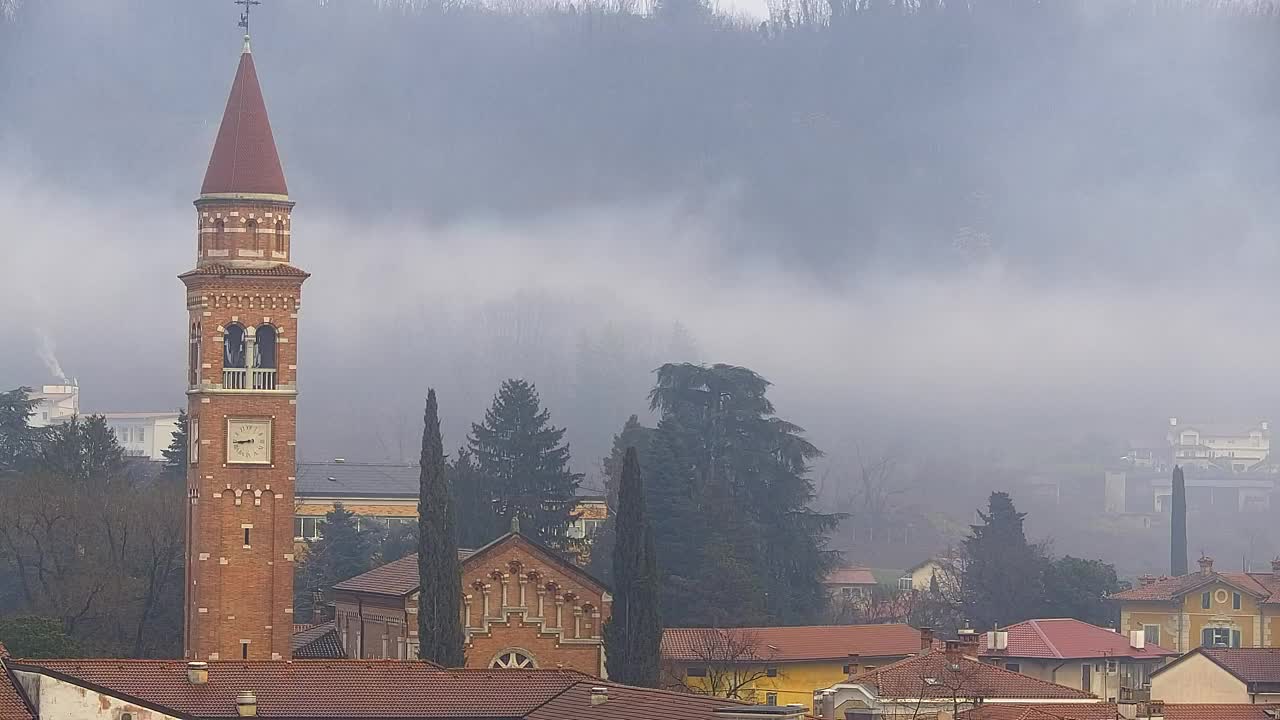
244 16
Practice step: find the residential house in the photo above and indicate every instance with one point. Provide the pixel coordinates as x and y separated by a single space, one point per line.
102 689
524 607
939 570
946 681
55 404
1235 448
781 665
1079 655
1205 608
849 583
388 492
1220 675
143 434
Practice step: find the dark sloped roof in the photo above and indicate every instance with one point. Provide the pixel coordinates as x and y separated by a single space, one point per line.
318 642
1255 666
1047 711
244 158
1225 711
930 676
348 479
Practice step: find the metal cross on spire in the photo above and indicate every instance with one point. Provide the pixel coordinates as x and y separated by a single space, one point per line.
244 16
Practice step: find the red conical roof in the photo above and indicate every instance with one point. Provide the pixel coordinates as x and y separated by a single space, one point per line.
244 159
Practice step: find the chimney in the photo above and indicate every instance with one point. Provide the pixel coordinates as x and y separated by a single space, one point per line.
1275 565
197 672
1206 565
926 637
853 665
247 704
968 638
599 696
319 613
826 705
1146 580
953 654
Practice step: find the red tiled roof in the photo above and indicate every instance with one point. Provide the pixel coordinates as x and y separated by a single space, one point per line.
1249 665
1225 711
850 576
783 644
930 676
629 703
280 270
318 642
1067 638
1168 588
318 688
244 158
13 705
1047 711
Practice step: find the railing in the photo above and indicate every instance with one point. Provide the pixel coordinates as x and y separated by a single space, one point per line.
1135 694
248 379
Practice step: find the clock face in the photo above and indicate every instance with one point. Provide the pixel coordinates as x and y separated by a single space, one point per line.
249 441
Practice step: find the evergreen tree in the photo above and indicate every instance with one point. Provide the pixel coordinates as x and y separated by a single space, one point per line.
633 435
440 632
1078 588
399 540
1003 577
19 442
524 457
175 456
633 635
760 548
1178 526
347 548
83 450
478 523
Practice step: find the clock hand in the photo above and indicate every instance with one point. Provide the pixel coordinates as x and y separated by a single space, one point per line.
241 442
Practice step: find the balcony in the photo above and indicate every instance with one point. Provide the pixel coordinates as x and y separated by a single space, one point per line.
1135 695
248 379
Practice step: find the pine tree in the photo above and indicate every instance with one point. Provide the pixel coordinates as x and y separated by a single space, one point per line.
175 456
1003 577
347 548
633 635
478 523
84 450
440 632
19 442
518 449
1178 526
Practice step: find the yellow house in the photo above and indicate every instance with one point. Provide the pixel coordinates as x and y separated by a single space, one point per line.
781 665
389 493
1220 676
1205 609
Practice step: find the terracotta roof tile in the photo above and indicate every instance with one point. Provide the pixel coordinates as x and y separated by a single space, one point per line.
1048 711
318 642
279 270
13 704
1232 711
244 159
850 576
1067 638
320 688
813 642
1169 588
629 703
930 676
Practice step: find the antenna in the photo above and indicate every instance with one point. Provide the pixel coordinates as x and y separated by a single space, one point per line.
244 16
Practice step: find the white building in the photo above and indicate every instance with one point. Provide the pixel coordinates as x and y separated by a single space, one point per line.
143 434
55 404
1235 448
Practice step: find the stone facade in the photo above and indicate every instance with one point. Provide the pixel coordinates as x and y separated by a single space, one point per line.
522 607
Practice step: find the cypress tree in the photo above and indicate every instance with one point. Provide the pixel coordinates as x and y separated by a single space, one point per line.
440 633
1178 525
633 635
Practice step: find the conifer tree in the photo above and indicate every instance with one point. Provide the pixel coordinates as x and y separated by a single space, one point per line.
19 441
522 454
478 523
633 635
347 548
175 456
440 632
1178 526
1003 577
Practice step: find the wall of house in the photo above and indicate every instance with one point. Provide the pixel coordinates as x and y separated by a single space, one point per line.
1136 615
58 700
795 683
1197 679
1248 619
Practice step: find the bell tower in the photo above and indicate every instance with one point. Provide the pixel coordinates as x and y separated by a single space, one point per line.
243 298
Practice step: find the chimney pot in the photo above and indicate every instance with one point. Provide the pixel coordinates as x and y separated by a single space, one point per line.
247 704
197 672
852 661
1145 580
599 695
953 654
926 638
1275 565
1206 565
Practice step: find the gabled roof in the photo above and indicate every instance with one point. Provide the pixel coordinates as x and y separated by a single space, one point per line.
318 642
400 577
1253 666
244 159
931 676
789 644
1046 711
13 702
850 576
1224 711
1171 588
352 479
1067 638
371 689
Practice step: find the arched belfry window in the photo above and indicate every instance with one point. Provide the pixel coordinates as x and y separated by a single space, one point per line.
233 346
279 238
264 347
219 234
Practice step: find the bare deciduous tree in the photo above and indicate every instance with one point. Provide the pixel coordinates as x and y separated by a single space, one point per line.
732 661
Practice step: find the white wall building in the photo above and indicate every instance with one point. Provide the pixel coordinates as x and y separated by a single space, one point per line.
143 434
1235 448
55 404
